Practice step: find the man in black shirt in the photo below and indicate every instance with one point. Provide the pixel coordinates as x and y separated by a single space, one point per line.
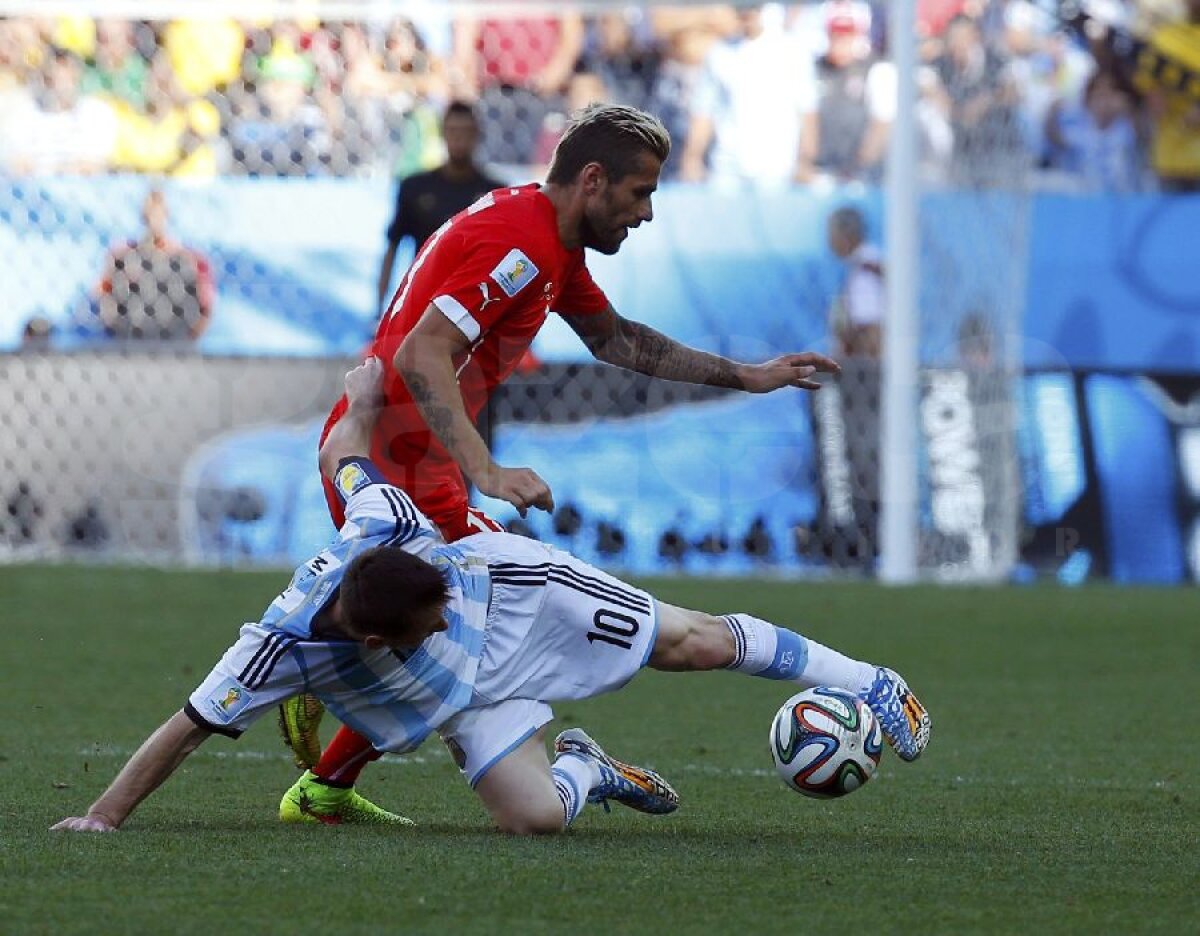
428 199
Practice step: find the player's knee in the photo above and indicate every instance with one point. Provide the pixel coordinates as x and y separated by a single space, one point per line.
531 820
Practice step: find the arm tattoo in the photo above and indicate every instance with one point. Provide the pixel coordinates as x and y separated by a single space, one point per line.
438 417
641 348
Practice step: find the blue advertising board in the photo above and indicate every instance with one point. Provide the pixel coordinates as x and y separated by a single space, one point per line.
1099 282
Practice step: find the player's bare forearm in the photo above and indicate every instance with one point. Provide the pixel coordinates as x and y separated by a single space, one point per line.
640 348
618 341
144 773
350 436
431 380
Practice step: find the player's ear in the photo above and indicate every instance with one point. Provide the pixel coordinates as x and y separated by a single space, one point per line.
592 176
374 642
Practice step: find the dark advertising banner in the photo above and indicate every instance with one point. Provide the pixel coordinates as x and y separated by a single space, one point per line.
1104 481
1111 476
968 495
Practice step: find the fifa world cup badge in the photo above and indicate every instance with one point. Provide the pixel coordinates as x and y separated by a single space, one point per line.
351 478
228 699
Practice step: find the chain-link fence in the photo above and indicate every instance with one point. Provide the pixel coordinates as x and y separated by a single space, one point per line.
95 445
175 457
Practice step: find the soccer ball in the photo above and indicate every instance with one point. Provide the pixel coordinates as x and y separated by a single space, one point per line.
826 743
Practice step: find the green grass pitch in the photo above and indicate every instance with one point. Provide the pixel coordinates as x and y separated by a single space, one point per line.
1059 794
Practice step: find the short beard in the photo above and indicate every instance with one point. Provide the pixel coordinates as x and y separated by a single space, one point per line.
589 238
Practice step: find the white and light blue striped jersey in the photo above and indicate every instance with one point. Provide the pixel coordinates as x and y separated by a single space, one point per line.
377 514
394 699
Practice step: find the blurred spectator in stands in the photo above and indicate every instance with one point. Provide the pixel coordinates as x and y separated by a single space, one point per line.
981 103
167 134
856 96
621 52
117 68
411 108
856 317
1092 138
205 54
74 32
1168 74
280 131
350 88
155 288
756 107
684 36
517 65
18 41
583 88
55 130
427 200
933 122
1043 65
933 18
415 68
976 342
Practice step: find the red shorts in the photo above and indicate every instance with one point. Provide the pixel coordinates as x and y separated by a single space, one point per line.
461 520
437 488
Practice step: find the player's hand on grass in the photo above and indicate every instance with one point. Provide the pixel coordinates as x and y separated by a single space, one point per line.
790 370
521 487
84 824
364 384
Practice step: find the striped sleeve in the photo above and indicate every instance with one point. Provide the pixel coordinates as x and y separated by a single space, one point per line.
254 676
375 508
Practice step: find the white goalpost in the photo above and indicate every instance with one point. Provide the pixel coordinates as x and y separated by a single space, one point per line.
898 425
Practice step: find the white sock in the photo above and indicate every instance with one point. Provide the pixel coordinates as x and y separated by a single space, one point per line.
762 649
827 667
574 777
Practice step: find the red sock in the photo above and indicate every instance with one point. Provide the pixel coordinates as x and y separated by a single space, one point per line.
345 757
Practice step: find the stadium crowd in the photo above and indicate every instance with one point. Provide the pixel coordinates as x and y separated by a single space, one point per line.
1005 86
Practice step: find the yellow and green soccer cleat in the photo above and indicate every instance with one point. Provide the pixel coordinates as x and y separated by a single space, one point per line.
309 800
299 721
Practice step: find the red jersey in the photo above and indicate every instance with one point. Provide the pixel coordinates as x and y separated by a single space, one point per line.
495 270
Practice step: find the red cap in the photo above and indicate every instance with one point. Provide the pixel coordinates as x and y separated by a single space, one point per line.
847 16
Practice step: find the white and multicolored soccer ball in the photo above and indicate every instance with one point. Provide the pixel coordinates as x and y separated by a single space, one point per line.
826 743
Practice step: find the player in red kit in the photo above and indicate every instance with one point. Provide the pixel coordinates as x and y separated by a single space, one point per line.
465 314
475 297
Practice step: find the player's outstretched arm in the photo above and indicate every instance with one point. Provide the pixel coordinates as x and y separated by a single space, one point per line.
350 436
637 347
144 773
426 362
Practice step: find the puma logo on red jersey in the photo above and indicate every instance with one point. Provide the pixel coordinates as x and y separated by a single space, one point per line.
487 297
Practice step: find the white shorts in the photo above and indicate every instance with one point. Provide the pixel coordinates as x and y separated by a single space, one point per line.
479 738
557 629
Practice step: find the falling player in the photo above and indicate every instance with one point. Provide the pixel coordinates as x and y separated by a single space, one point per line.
402 635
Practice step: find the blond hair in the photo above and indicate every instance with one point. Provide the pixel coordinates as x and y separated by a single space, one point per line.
612 135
